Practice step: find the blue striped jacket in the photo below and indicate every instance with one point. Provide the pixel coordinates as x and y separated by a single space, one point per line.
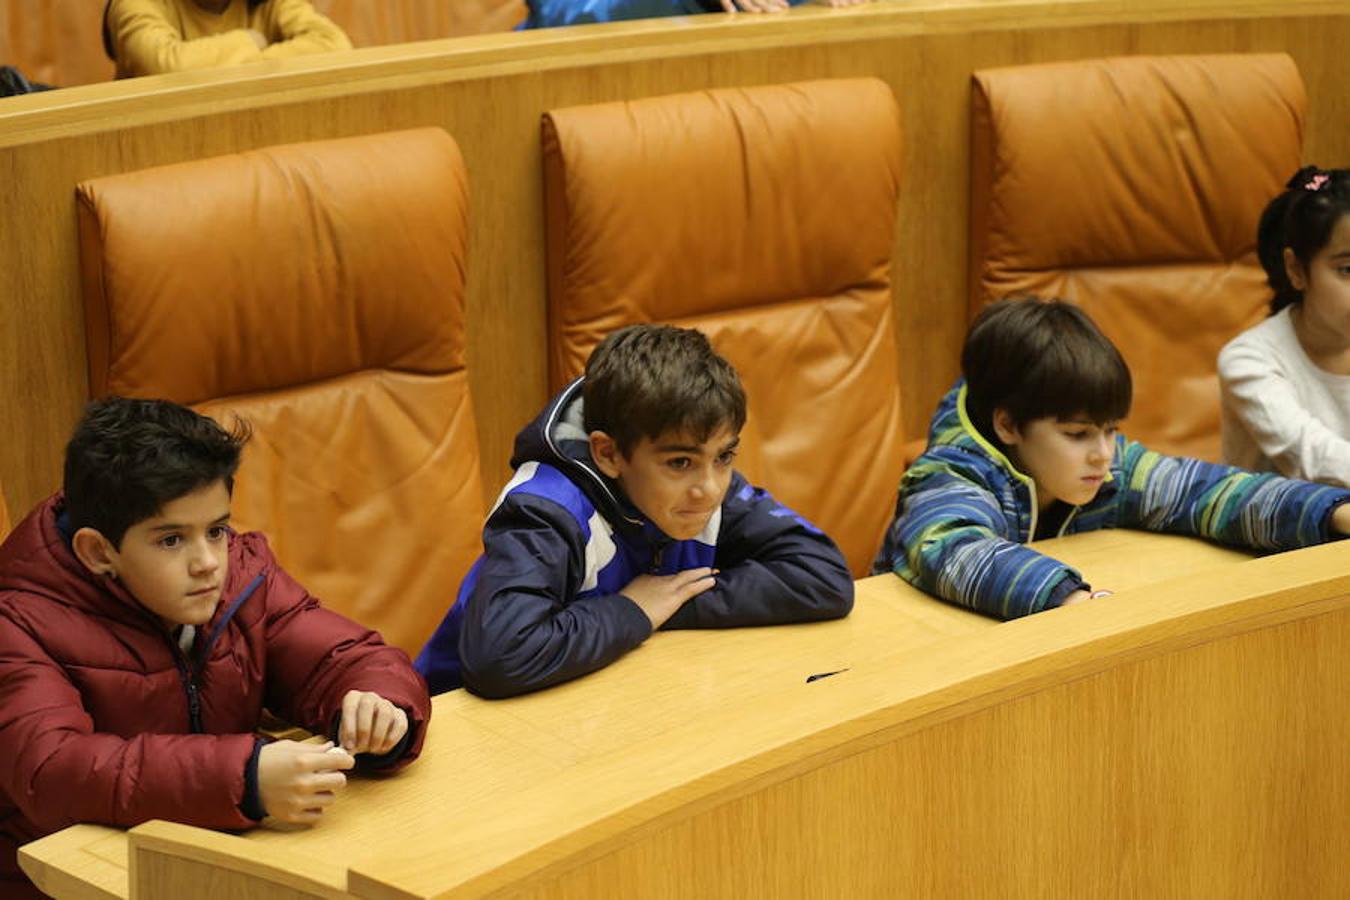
964 514
544 603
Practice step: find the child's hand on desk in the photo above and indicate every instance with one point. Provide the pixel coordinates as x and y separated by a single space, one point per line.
370 723
659 596
296 781
1340 519
732 6
1081 596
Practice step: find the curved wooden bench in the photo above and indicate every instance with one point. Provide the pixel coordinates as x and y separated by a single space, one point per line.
1183 737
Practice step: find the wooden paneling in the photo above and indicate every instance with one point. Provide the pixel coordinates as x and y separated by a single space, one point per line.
489 92
1168 743
1184 775
170 860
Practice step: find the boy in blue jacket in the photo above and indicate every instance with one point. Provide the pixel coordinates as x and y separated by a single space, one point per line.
626 515
1026 447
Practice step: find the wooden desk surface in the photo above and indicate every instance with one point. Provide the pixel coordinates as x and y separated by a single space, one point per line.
499 779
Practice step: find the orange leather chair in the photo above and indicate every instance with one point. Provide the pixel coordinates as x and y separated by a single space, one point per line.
317 290
4 519
1133 187
766 218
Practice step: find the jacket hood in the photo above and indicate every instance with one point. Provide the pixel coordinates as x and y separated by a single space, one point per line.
558 437
37 560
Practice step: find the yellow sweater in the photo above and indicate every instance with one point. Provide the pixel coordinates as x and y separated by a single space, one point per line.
154 36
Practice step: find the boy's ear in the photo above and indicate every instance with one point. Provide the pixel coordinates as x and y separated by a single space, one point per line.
95 551
605 453
1006 428
1294 269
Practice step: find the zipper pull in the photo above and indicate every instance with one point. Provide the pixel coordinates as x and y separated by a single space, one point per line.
656 560
194 706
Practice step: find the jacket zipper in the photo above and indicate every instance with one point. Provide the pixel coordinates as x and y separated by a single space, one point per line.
1035 512
190 688
185 669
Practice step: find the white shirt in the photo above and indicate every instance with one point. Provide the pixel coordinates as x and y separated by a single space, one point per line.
1280 411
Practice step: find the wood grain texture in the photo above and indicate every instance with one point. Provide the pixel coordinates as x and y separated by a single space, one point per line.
1184 775
1138 758
170 860
489 91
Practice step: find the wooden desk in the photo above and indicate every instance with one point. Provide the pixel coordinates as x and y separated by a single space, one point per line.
489 91
955 755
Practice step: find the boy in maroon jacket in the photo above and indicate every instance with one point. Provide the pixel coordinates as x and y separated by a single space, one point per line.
141 639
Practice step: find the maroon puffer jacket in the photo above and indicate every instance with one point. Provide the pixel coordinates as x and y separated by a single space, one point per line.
96 722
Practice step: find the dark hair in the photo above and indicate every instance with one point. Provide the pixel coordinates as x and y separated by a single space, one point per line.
1036 358
107 32
647 380
1302 219
128 458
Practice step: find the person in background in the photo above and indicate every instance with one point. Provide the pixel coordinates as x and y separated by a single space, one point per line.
1286 382
552 13
1026 447
150 37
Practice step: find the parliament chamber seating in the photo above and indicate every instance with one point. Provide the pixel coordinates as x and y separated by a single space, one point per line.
318 292
766 218
60 42
1184 738
1132 186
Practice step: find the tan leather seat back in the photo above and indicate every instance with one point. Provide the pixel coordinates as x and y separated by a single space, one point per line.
765 217
4 518
1133 187
317 290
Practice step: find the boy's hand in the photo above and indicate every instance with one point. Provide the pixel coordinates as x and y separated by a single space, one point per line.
1340 519
258 37
659 596
1082 596
732 6
370 723
296 781
1079 596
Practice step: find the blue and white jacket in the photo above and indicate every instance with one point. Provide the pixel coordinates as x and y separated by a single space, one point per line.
550 13
543 604
965 514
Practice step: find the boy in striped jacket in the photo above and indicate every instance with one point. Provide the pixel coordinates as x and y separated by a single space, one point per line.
1026 447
